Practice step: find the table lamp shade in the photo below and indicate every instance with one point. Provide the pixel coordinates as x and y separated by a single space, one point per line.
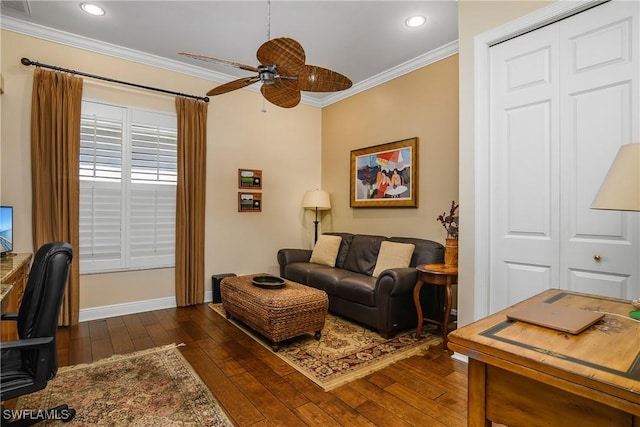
317 199
620 189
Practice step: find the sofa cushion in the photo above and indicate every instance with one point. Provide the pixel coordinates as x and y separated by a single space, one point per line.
326 250
359 288
425 252
344 247
363 253
299 271
326 278
393 255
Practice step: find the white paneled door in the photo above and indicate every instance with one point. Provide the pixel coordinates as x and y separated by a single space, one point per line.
564 98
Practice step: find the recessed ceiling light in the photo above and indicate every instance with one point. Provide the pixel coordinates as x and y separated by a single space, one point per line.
415 21
92 9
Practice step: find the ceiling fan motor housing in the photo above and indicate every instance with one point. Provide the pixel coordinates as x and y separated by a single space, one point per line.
267 74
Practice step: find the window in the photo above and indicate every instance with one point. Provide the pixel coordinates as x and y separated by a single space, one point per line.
128 174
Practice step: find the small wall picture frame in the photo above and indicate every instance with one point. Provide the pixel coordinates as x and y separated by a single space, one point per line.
249 202
250 178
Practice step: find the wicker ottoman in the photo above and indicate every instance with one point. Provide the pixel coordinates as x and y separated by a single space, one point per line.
277 314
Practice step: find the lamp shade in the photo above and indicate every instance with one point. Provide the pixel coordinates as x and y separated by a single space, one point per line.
620 189
317 199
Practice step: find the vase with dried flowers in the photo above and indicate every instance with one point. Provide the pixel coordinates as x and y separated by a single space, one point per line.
450 223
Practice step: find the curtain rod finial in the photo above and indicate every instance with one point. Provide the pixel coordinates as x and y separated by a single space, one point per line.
26 61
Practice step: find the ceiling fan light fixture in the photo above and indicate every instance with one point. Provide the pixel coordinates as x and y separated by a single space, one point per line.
267 74
415 21
92 9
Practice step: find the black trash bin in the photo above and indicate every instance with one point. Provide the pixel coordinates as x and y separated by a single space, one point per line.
215 285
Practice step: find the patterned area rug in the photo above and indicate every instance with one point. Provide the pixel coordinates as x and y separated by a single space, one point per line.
155 387
345 352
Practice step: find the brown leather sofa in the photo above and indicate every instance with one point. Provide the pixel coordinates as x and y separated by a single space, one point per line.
384 303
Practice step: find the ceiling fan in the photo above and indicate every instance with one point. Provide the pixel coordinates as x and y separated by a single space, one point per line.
283 73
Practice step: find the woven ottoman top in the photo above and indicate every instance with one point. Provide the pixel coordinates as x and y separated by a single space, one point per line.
291 294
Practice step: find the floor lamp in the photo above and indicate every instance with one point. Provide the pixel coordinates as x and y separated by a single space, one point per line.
318 200
620 190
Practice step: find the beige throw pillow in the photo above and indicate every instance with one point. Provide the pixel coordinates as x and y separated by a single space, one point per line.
326 249
393 255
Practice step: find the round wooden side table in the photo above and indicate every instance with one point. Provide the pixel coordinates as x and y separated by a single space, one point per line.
439 275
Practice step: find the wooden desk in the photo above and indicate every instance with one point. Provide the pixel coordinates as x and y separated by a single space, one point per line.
526 375
14 270
439 275
5 291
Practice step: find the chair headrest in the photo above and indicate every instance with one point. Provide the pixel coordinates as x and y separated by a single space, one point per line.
40 307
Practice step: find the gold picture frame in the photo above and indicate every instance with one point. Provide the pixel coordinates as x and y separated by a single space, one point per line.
385 175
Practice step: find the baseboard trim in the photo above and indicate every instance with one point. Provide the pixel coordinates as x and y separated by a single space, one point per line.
106 311
460 357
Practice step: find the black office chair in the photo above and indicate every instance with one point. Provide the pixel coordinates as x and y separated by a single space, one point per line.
31 361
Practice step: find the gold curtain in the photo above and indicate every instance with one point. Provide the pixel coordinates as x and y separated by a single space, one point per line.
55 149
190 200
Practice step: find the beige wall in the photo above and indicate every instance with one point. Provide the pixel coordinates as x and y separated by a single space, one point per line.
474 18
285 144
423 103
294 148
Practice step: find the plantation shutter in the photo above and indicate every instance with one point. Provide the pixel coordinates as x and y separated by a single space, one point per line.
101 137
128 176
154 166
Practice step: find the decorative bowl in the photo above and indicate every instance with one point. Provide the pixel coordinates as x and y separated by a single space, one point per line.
270 282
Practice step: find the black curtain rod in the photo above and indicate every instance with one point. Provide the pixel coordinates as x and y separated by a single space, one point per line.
27 61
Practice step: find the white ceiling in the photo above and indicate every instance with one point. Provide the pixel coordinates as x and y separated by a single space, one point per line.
365 40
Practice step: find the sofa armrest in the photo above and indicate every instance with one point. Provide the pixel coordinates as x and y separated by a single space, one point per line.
394 299
288 256
396 281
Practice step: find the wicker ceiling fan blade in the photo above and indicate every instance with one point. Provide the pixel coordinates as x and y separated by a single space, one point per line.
221 61
285 53
283 73
233 85
283 93
319 79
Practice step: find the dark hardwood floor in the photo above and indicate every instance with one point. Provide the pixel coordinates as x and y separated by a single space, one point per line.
256 388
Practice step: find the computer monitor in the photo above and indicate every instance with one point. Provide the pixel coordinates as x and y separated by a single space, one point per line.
6 230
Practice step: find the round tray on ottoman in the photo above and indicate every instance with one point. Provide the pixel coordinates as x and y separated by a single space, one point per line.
269 282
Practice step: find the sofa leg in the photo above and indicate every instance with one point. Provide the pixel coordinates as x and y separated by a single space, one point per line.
387 335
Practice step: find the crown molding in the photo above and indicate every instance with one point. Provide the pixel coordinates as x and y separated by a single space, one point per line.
92 45
395 72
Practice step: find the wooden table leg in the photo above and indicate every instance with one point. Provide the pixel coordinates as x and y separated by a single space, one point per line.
416 301
447 312
477 394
